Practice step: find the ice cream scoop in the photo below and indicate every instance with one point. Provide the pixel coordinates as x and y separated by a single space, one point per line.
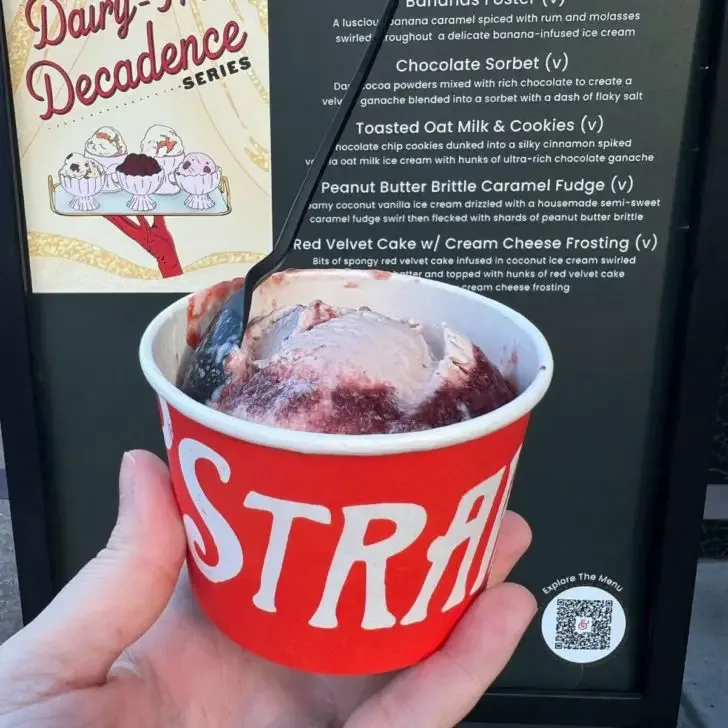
76 166
317 368
106 142
196 163
139 165
162 141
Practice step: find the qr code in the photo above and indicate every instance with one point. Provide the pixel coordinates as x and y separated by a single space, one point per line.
583 624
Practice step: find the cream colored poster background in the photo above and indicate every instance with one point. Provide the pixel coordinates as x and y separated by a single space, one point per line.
227 119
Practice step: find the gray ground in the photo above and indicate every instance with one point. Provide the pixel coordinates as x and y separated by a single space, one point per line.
705 699
9 604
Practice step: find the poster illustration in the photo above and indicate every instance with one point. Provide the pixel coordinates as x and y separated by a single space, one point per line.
144 140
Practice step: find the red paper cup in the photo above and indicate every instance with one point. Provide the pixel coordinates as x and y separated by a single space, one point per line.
346 554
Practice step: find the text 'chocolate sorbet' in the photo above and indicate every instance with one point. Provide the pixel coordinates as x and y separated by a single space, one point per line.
318 368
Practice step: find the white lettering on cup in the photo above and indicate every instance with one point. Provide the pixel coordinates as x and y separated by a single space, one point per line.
284 512
229 550
442 548
490 548
167 431
409 520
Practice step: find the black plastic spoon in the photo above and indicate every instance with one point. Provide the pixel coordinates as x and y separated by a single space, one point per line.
203 371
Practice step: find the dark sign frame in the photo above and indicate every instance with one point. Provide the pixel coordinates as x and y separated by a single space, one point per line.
701 323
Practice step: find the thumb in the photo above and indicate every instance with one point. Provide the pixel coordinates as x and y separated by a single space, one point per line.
114 599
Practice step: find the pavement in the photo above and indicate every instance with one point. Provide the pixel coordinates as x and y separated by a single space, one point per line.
705 699
10 620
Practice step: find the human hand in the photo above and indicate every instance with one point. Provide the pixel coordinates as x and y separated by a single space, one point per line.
125 646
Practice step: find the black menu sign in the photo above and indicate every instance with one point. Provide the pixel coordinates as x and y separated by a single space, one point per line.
528 150
538 152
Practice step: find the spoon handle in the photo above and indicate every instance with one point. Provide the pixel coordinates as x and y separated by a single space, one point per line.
296 215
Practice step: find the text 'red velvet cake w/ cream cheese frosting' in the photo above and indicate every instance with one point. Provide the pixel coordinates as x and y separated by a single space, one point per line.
318 368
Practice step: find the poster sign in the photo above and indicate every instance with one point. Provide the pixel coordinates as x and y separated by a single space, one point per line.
530 152
144 140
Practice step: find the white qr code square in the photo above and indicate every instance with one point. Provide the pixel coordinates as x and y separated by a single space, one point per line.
583 624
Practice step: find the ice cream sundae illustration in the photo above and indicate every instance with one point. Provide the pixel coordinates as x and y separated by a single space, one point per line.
107 147
141 176
165 146
198 175
162 179
83 179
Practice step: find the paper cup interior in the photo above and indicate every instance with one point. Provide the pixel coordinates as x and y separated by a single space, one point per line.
508 339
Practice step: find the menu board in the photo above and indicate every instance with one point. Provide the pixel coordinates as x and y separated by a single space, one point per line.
527 150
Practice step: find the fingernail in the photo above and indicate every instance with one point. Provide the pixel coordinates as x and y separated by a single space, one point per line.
127 475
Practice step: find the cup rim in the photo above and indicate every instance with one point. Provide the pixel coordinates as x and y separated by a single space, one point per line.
110 158
313 443
66 180
215 172
140 176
